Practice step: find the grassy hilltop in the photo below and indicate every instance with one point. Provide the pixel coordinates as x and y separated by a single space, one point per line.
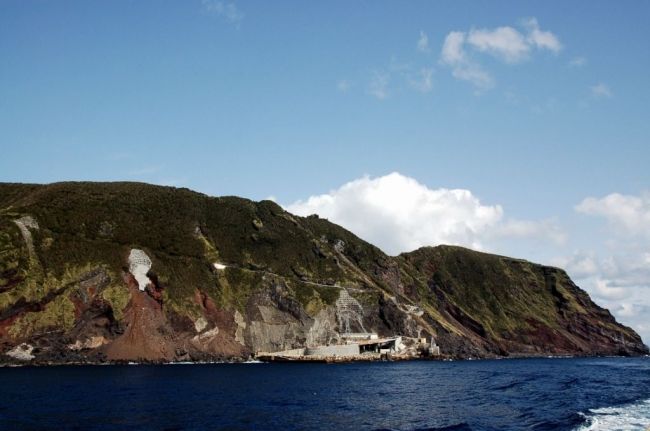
66 291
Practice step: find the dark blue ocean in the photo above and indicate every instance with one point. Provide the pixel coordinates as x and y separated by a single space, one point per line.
522 394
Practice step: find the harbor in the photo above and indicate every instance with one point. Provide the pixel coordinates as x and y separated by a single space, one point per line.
355 347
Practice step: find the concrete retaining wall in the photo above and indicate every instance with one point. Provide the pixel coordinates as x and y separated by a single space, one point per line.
292 352
337 350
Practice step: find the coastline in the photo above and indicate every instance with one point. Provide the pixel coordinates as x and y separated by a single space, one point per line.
320 360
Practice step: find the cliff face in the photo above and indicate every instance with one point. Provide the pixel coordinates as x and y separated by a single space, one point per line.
128 271
512 306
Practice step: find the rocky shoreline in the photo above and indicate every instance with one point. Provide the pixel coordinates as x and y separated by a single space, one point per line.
328 360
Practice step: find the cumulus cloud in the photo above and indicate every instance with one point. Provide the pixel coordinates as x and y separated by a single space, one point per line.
601 91
539 38
505 43
453 55
453 51
423 42
628 219
618 278
619 282
625 213
227 10
399 214
580 265
606 291
610 277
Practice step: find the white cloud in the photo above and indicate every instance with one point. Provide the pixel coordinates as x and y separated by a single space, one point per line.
626 213
453 54
452 48
505 43
605 290
541 39
580 265
601 90
227 10
378 85
423 42
619 282
619 279
628 238
424 81
629 310
475 74
399 214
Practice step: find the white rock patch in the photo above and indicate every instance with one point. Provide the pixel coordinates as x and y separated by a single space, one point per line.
241 327
26 223
348 310
139 265
22 352
219 266
90 343
207 335
200 324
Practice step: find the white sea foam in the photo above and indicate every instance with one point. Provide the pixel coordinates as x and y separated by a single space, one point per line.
630 417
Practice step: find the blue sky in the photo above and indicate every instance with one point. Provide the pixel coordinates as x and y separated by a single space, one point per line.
542 106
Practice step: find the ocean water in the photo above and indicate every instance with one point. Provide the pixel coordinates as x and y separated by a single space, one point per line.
522 394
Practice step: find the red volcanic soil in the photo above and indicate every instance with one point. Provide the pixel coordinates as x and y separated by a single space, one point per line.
147 335
222 343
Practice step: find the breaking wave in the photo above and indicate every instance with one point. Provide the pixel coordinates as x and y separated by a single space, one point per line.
630 417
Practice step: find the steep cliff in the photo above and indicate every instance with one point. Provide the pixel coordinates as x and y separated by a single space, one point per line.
130 271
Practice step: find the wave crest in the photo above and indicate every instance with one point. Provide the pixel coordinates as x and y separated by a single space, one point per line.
629 417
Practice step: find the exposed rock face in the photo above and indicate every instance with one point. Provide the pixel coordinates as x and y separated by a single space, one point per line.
90 343
92 272
139 266
513 306
147 333
22 352
26 223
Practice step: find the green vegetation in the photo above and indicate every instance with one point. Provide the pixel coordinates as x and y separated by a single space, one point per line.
100 222
13 254
506 296
235 286
57 315
314 298
84 226
37 286
183 306
211 253
118 297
